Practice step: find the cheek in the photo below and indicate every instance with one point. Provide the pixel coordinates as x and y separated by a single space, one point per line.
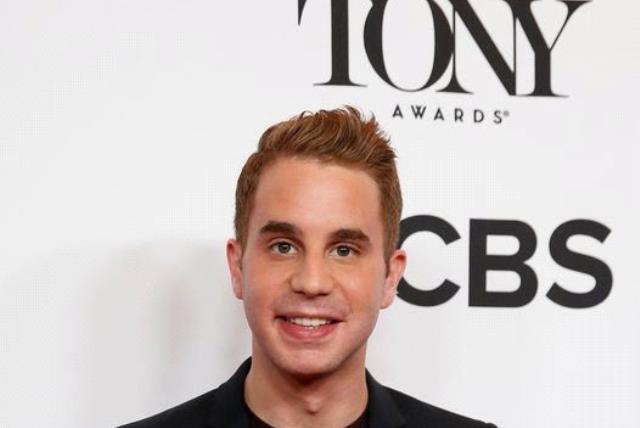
364 289
262 283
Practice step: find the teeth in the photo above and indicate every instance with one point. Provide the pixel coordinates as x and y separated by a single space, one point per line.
309 322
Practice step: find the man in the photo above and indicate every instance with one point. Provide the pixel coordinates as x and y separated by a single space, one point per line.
314 260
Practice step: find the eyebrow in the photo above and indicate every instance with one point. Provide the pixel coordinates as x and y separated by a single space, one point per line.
342 234
347 234
280 227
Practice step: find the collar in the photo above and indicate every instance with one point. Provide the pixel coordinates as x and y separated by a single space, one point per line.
229 408
382 411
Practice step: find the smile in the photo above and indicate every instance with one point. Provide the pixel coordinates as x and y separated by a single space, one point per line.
307 329
309 322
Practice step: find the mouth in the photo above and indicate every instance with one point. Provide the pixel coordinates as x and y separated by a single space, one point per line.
309 322
307 329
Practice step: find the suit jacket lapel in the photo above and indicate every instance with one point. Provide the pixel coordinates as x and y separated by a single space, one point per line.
228 408
382 409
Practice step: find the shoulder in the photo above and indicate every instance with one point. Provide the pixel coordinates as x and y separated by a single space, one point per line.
223 406
192 413
420 414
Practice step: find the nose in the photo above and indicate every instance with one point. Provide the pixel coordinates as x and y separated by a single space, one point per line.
312 277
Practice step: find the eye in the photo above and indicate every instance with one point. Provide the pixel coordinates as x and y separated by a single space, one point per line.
343 251
283 247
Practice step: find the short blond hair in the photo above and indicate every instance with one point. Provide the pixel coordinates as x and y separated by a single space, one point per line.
343 136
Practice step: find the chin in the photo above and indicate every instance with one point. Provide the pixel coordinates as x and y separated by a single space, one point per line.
314 363
308 373
308 364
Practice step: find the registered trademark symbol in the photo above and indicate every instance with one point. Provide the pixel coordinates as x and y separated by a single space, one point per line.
505 113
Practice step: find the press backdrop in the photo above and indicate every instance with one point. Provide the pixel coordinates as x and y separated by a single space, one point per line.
123 127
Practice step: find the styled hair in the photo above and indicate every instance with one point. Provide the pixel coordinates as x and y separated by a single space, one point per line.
342 136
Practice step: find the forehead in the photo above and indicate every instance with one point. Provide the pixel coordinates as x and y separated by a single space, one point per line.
317 197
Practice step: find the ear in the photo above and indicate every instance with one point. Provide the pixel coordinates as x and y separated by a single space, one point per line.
234 260
397 263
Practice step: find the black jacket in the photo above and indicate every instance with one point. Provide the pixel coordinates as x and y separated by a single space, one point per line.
224 407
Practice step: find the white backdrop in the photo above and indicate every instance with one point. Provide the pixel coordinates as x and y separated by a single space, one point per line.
123 127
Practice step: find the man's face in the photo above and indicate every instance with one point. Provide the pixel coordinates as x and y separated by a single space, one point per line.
312 275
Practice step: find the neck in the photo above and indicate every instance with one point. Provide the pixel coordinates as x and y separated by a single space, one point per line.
285 400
